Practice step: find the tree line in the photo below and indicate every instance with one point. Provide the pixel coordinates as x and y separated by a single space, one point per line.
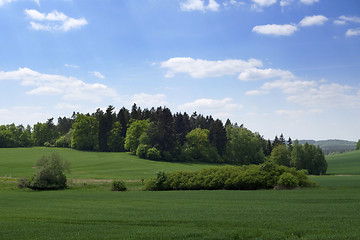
157 134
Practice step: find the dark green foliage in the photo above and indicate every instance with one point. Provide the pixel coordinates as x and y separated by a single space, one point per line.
153 154
243 147
106 121
50 175
141 151
197 147
309 157
251 177
64 141
15 136
115 139
45 132
85 133
281 155
118 185
23 183
358 145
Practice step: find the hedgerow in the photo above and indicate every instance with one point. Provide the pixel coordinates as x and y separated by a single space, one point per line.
249 177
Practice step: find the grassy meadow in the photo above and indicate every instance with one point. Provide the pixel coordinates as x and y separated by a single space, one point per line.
89 210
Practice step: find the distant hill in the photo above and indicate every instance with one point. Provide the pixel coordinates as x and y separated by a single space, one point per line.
333 145
345 163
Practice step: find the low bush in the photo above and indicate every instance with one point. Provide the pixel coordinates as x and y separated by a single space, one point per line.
50 175
249 177
153 154
141 150
118 185
287 180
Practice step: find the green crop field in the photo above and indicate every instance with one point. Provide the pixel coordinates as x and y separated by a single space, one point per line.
345 163
20 162
89 211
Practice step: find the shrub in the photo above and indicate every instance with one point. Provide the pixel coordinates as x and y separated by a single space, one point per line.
23 183
118 185
153 154
141 150
50 175
249 177
287 180
47 144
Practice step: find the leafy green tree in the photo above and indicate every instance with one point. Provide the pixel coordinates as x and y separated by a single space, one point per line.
85 133
106 121
243 146
123 117
358 145
281 155
65 140
115 138
297 156
198 147
218 136
133 134
7 138
51 174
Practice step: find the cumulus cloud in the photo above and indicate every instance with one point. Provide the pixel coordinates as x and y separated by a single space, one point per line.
199 68
276 30
53 21
199 5
149 100
313 20
97 74
220 108
256 74
69 88
309 2
314 94
353 32
23 115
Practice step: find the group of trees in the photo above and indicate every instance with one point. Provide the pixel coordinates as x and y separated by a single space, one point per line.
157 134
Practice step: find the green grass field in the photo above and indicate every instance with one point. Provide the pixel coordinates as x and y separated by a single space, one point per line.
89 210
347 163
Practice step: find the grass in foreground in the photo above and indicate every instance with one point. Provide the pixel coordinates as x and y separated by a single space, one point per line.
81 214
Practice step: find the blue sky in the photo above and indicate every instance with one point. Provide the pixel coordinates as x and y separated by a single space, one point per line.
277 66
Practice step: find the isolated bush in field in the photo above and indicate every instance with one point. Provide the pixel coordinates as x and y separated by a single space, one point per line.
153 154
118 185
50 175
287 180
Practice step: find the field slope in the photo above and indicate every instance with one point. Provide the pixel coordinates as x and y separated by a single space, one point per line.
20 162
347 163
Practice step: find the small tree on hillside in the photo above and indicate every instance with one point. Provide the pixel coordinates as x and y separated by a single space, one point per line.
51 174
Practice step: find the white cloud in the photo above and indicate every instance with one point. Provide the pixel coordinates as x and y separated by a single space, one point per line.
314 94
298 113
3 2
199 68
53 21
199 5
274 29
313 20
222 108
148 100
23 115
353 32
233 3
342 20
309 2
256 74
284 3
97 74
255 92
67 106
264 3
69 88
71 66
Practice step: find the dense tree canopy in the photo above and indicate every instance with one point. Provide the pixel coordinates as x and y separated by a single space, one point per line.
157 134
